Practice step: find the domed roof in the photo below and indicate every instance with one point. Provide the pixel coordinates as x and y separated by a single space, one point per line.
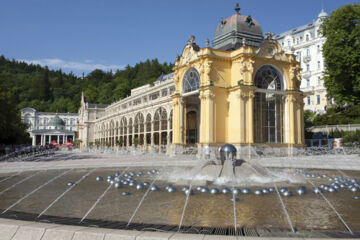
56 121
322 14
237 30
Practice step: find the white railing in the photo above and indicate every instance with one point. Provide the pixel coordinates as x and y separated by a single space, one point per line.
331 128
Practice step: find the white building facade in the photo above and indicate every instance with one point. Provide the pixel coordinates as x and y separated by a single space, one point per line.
46 127
145 118
306 43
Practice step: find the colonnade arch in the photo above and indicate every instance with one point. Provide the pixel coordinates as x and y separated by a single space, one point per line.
147 128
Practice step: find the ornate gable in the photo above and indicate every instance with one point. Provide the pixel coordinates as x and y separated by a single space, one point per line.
190 52
271 49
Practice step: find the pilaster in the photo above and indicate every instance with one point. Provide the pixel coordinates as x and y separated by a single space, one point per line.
291 100
207 117
177 120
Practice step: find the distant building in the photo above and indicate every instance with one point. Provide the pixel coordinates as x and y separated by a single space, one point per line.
306 43
46 127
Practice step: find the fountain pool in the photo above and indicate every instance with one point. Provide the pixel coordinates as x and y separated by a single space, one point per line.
45 195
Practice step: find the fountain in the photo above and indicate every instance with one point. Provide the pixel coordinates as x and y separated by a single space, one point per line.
221 195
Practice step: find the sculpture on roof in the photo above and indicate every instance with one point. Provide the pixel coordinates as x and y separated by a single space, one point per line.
249 21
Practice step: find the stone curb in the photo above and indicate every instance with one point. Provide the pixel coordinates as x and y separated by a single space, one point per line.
23 230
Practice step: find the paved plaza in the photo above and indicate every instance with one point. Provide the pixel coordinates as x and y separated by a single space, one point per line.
64 166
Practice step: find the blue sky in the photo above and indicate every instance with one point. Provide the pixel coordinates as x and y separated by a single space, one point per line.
81 35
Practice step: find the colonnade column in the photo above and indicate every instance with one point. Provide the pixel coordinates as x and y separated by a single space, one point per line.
133 134
207 117
145 134
127 137
160 130
168 131
152 134
290 101
242 117
177 121
250 116
34 140
181 121
301 125
299 105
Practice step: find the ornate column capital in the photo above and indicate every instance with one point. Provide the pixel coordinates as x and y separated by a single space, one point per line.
206 94
242 95
290 98
251 95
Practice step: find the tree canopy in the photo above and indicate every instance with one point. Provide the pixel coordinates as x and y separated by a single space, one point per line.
50 91
12 130
27 85
341 52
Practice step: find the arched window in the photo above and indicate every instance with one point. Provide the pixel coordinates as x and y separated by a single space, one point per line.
269 106
191 80
148 122
139 123
267 77
123 126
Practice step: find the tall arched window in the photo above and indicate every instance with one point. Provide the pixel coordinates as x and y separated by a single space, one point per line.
269 106
191 80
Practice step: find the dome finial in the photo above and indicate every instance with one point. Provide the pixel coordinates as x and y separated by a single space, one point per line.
237 8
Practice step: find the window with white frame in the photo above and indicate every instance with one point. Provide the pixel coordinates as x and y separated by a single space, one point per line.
317 99
318 64
307 67
298 56
308 82
308 99
269 105
191 80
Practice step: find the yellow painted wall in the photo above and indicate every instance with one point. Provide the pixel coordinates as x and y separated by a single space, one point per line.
227 92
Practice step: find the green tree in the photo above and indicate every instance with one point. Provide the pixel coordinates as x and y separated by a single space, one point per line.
342 54
44 87
48 90
12 130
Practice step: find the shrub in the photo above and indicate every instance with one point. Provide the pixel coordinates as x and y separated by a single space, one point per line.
352 137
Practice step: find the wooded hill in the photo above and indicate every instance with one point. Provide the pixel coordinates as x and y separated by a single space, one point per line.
50 91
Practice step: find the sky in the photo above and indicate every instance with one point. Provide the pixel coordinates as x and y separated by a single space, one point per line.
82 35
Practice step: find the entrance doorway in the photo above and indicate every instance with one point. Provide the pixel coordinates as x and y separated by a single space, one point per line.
192 119
191 128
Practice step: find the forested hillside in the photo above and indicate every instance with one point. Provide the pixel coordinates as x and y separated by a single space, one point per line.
48 90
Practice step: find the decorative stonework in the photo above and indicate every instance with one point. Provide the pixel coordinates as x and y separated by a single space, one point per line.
295 76
207 94
188 55
207 70
243 69
250 68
